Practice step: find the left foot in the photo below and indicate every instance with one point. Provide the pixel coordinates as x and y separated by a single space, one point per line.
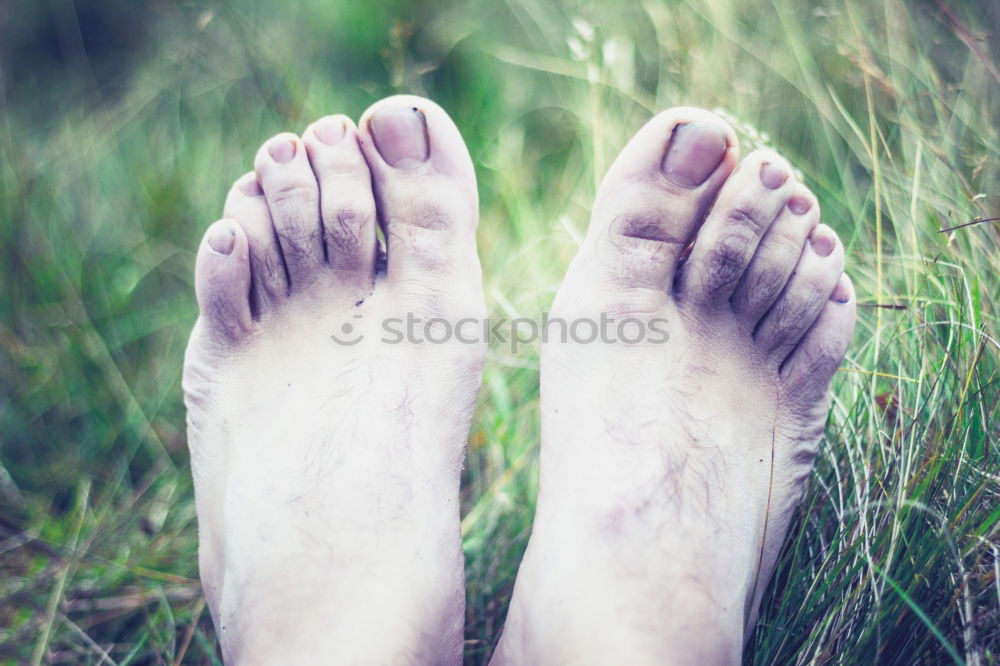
671 469
327 462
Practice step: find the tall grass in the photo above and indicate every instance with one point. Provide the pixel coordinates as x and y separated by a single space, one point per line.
890 111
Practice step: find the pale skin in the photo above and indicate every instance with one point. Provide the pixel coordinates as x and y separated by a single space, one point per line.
327 475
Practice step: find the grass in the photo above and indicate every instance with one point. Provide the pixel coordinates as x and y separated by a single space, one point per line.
116 154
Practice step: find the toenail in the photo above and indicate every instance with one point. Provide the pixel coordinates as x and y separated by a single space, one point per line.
282 150
800 204
400 135
773 175
222 237
822 242
842 292
695 151
330 130
251 187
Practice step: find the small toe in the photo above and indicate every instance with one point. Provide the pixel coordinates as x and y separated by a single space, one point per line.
654 197
425 191
222 281
775 259
292 195
245 203
808 289
808 370
347 205
743 213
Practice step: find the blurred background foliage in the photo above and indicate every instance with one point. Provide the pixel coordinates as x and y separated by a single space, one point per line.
122 125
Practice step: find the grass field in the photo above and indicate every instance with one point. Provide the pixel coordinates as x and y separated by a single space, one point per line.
121 129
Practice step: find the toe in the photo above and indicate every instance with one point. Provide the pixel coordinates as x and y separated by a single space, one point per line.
808 289
655 195
283 169
346 203
425 190
222 281
775 258
746 206
269 280
807 372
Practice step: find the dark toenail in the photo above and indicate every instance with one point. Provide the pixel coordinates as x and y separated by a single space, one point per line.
773 175
842 292
251 187
822 242
800 204
400 135
282 150
329 130
222 237
696 150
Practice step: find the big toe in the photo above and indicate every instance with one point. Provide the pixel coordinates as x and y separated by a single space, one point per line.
425 193
654 198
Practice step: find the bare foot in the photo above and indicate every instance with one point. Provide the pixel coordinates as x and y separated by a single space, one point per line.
326 472
670 470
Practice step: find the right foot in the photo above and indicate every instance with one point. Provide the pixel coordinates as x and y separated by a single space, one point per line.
670 471
327 473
